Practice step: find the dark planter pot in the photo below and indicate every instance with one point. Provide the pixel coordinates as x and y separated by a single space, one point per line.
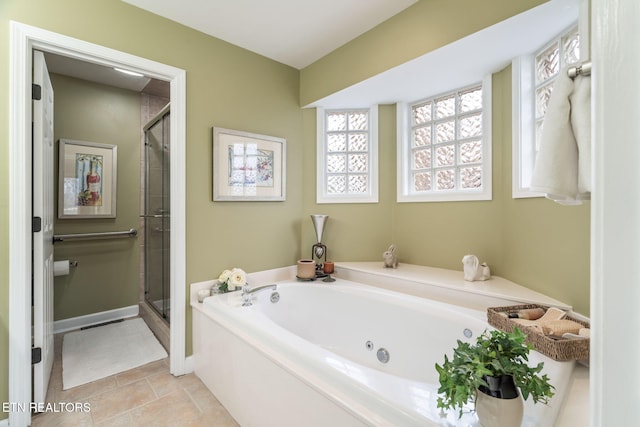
502 387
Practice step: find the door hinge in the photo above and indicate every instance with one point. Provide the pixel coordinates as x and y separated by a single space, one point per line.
36 92
36 355
36 225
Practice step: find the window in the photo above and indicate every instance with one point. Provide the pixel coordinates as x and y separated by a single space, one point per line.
347 156
445 146
533 77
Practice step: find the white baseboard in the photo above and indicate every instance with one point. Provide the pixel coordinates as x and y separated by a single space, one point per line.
72 323
188 366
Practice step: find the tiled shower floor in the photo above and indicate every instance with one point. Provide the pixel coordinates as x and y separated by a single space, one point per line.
144 396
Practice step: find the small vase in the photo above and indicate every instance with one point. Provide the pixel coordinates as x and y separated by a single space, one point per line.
499 405
306 269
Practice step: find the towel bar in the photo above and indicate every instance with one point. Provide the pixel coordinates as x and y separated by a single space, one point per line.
582 69
109 234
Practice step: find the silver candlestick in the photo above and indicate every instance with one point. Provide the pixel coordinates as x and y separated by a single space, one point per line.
319 250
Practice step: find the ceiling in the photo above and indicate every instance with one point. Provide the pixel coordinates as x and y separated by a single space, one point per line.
293 32
84 70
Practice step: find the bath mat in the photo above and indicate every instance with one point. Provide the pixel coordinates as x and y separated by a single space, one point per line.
96 353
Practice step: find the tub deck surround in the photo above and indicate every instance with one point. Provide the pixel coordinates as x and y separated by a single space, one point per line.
253 279
303 360
443 285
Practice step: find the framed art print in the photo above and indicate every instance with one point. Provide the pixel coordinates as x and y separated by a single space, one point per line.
87 179
248 166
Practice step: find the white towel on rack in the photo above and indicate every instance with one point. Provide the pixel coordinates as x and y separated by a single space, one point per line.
563 164
581 125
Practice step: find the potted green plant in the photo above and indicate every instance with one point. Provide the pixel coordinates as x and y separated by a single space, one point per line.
489 373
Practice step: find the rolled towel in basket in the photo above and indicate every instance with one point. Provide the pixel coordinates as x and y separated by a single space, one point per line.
552 313
559 327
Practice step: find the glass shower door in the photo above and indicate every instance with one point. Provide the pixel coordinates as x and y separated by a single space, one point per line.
157 216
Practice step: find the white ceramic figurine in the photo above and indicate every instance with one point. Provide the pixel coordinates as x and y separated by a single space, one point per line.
473 270
390 258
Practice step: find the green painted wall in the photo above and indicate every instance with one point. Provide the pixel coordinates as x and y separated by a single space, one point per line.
108 274
533 242
226 86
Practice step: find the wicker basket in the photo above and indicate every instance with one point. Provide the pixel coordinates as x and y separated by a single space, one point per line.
562 350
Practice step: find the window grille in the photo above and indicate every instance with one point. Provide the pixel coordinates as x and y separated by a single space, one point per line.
446 154
347 156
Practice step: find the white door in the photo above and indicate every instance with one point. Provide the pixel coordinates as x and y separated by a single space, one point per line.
42 239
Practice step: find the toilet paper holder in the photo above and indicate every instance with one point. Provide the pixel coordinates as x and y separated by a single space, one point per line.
63 267
72 263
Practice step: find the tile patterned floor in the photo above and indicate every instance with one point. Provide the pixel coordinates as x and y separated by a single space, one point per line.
144 396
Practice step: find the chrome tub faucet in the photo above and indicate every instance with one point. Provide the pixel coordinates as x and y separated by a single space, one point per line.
248 292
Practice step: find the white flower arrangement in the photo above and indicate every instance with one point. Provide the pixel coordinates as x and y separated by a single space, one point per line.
233 279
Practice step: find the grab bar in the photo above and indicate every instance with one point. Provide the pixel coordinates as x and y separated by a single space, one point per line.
106 235
582 69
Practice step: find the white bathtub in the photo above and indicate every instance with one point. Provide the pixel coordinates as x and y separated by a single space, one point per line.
311 358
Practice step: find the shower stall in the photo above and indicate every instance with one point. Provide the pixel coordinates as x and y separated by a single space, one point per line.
156 215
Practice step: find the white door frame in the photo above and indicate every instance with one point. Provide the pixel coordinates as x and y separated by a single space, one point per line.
23 39
615 213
